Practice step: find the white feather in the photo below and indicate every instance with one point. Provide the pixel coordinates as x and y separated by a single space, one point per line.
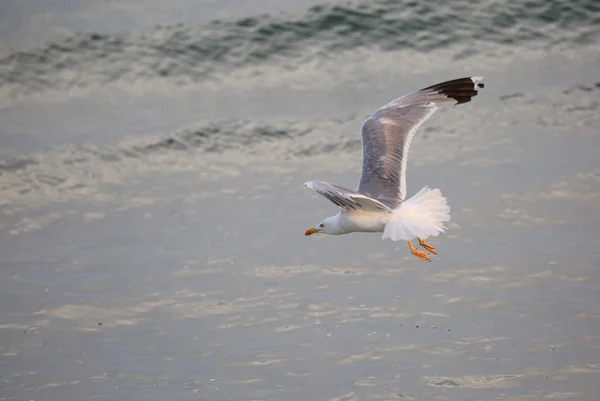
423 216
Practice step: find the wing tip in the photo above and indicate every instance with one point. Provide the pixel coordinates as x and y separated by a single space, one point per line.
461 90
477 82
313 184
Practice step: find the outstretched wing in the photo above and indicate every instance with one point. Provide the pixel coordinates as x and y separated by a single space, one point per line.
346 199
387 134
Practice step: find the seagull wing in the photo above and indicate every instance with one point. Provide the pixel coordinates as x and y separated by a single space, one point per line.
387 134
346 199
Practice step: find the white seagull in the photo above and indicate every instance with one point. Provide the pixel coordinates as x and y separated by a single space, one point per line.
378 203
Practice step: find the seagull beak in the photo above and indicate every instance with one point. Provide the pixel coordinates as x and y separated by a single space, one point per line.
311 231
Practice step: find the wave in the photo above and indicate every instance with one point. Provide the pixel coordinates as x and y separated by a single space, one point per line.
184 54
69 171
217 137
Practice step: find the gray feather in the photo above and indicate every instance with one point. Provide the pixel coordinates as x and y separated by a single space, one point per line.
346 199
387 134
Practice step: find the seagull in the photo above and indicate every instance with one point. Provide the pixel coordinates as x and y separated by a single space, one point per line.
378 203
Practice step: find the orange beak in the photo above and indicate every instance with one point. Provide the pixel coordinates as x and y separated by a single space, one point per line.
311 231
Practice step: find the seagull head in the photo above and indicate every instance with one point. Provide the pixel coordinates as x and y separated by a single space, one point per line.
317 229
328 226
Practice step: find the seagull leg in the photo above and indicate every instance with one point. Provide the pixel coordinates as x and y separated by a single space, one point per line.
427 246
418 253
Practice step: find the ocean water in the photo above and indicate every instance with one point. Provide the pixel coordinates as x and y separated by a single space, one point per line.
152 212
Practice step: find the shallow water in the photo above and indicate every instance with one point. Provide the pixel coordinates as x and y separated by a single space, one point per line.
151 238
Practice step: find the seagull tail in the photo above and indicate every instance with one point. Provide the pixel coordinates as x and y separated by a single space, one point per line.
421 216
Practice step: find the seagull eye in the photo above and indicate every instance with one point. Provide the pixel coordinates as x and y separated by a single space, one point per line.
321 225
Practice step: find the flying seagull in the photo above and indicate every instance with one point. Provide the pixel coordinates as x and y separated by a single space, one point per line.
378 203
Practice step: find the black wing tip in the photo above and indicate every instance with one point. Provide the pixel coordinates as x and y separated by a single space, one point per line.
461 89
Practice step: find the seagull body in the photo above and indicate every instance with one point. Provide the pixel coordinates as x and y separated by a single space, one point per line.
378 204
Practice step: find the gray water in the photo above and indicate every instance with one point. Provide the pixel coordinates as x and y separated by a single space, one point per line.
152 157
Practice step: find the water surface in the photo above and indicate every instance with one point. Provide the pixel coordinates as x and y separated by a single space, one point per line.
151 235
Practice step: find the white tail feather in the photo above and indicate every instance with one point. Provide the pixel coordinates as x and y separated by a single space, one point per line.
421 216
